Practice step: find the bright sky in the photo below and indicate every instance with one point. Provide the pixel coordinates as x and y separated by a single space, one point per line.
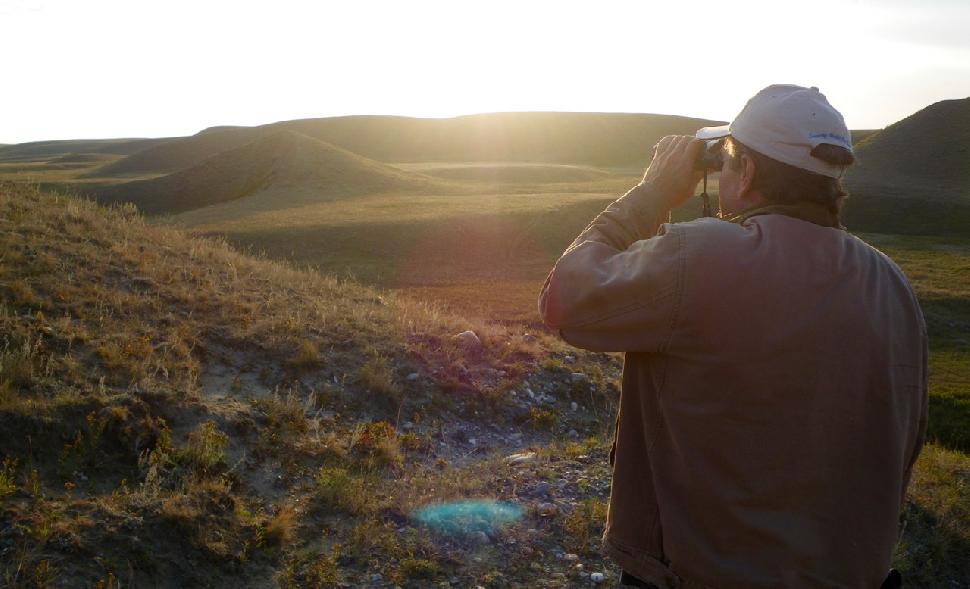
131 68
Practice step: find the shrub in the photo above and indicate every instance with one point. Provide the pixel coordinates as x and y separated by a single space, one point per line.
338 488
281 529
376 445
7 472
377 378
206 448
583 526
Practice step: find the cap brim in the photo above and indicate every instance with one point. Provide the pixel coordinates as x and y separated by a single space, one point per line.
713 132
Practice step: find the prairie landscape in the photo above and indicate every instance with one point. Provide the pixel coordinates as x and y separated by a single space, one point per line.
243 357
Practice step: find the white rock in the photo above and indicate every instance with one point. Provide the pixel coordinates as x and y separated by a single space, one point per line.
573 406
469 340
520 458
597 578
413 376
578 377
569 359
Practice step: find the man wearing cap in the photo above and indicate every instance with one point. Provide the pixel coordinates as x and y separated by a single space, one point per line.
774 384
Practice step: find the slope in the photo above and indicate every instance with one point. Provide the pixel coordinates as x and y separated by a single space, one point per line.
914 176
166 400
274 166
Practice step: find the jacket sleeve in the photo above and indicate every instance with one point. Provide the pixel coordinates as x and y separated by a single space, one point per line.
617 287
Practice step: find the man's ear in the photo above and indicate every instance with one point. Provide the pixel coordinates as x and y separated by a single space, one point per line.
747 175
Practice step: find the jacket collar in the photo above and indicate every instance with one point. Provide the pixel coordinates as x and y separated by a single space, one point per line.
805 211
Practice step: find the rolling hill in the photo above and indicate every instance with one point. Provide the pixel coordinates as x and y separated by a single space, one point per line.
599 139
276 166
40 149
914 176
181 152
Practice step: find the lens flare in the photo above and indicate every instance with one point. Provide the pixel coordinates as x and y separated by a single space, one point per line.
467 516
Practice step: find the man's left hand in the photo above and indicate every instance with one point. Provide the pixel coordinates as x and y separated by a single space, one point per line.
671 174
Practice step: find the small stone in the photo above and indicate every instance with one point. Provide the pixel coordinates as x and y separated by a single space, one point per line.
520 458
573 434
413 376
571 556
528 338
573 406
472 441
529 392
542 488
376 578
597 578
569 359
502 373
469 340
578 377
547 509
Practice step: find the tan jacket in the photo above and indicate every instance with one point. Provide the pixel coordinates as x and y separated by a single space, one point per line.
774 394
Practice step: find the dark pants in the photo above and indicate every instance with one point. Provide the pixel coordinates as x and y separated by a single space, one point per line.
628 579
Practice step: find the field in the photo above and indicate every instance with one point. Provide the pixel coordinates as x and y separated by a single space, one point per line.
294 359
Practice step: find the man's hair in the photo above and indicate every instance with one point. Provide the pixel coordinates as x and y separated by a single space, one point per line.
781 183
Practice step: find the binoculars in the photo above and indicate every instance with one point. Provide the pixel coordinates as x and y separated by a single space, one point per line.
711 157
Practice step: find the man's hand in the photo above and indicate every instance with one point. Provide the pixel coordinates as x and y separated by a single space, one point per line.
671 174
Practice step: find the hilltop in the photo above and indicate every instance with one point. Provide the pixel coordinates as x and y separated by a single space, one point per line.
275 167
914 176
180 152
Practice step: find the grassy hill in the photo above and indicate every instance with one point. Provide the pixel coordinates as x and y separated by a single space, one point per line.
178 414
181 152
40 149
274 171
914 176
598 139
166 400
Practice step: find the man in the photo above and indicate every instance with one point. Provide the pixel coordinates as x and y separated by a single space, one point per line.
774 383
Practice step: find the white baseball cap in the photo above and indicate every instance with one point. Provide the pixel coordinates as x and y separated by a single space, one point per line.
786 122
